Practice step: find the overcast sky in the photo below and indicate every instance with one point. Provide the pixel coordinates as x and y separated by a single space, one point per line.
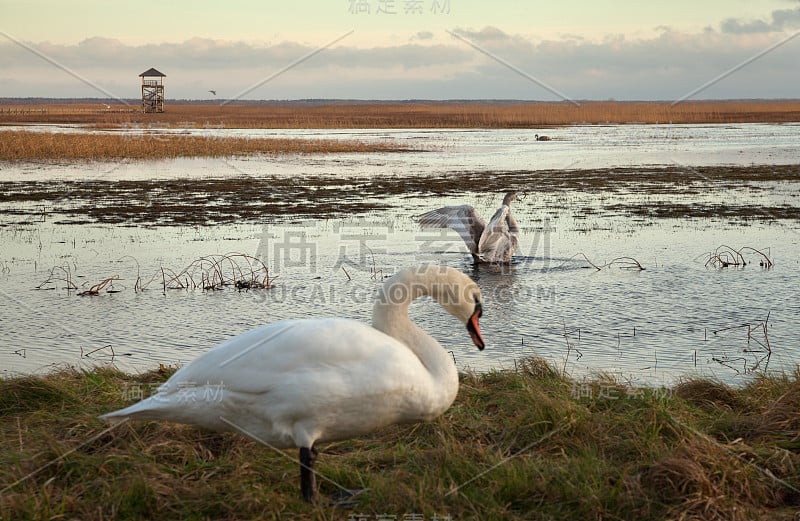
403 49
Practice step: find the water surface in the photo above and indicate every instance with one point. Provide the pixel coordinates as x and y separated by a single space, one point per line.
330 227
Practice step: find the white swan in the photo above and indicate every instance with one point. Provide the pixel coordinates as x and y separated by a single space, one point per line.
294 383
495 242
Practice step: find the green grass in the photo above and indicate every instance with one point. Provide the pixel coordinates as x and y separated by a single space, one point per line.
524 444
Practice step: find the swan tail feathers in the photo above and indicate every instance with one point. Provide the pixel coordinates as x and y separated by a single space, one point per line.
148 409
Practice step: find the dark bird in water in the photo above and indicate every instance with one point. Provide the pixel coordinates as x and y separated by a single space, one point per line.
541 138
493 242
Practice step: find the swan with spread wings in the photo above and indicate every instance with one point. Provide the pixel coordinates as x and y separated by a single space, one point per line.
493 242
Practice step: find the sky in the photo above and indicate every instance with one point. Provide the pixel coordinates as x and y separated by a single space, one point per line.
544 50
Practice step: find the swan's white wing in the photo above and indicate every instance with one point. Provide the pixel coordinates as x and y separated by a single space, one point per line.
500 239
463 219
271 378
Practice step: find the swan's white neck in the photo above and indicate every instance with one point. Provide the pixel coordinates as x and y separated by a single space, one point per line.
390 315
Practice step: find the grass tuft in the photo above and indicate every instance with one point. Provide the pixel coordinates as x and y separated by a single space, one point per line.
709 395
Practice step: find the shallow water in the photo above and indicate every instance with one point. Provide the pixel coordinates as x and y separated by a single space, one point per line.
578 147
677 317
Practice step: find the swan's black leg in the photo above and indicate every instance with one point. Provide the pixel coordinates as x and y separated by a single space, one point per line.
308 480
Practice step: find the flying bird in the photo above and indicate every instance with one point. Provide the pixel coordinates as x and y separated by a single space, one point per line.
295 383
493 242
213 92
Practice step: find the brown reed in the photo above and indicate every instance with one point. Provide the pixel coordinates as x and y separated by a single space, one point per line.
26 145
95 289
725 256
418 114
216 271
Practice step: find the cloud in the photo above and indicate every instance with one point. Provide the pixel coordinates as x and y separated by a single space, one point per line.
665 67
781 20
486 35
428 65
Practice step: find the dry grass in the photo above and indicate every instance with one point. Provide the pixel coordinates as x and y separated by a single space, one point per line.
24 145
705 483
515 445
407 115
707 394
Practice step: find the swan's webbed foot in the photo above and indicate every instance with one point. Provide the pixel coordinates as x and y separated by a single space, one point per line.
346 497
308 482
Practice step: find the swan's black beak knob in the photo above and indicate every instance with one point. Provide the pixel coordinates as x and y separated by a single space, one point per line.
474 327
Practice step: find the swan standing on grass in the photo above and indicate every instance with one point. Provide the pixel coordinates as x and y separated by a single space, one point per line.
294 383
495 242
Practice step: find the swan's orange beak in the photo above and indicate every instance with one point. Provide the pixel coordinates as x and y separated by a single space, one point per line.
474 328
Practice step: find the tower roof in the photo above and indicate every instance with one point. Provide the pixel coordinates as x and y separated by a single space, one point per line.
152 72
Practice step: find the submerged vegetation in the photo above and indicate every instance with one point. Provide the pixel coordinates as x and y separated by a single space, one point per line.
415 114
212 272
657 192
27 146
524 444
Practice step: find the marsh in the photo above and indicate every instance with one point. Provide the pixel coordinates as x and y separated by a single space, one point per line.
331 226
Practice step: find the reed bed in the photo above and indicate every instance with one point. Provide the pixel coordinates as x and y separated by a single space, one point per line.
422 114
528 443
27 146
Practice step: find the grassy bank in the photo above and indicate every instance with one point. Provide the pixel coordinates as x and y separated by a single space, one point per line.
408 115
524 444
26 146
